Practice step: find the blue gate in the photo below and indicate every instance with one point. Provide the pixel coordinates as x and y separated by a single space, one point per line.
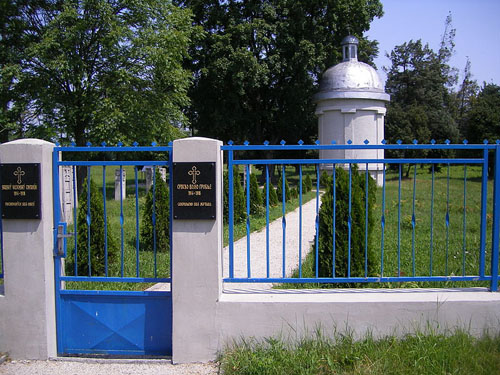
112 245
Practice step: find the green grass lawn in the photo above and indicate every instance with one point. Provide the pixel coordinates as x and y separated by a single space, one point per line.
422 353
453 254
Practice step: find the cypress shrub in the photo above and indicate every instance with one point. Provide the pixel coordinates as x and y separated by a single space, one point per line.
97 243
358 195
280 188
306 184
273 197
239 213
256 200
162 214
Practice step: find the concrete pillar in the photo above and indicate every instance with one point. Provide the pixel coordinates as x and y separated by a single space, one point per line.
197 265
27 308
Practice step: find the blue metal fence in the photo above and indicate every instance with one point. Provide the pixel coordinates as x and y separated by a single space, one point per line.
124 272
106 306
459 241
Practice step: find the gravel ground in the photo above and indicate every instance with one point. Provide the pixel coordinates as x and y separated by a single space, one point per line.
105 367
258 266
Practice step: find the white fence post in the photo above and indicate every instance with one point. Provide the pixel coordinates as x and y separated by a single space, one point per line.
27 308
196 264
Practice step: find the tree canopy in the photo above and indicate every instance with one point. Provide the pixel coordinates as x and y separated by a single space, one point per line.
258 66
96 70
483 119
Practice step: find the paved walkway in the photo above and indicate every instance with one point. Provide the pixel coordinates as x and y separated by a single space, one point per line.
258 259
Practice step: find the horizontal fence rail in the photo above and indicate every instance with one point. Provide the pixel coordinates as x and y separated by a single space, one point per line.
113 234
434 216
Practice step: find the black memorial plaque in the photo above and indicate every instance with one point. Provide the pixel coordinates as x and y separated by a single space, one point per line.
194 191
20 192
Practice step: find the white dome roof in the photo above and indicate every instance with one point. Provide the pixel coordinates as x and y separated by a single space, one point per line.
351 75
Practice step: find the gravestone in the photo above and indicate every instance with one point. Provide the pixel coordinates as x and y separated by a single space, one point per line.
67 193
149 177
123 184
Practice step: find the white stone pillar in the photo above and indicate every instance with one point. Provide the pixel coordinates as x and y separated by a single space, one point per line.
27 308
196 265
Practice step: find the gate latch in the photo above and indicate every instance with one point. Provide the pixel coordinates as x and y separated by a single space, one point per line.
61 239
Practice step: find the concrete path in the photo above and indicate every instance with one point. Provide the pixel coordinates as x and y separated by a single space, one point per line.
258 256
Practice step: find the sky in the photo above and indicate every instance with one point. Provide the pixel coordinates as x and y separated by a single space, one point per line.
477 24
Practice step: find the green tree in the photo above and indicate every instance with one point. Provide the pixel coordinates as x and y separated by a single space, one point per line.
155 228
483 118
258 66
255 195
107 70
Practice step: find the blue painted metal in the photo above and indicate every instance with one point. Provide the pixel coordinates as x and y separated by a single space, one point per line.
382 225
89 218
464 222
247 176
113 322
267 221
366 220
484 198
334 214
495 241
431 245
122 222
300 220
316 243
131 324
137 242
283 218
105 220
231 212
403 246
413 221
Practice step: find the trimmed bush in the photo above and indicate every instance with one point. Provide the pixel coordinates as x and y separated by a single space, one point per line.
97 243
306 184
358 224
280 188
238 197
256 199
162 216
273 197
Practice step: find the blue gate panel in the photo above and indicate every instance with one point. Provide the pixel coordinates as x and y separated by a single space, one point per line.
116 323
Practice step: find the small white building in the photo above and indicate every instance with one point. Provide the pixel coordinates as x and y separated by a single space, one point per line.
350 106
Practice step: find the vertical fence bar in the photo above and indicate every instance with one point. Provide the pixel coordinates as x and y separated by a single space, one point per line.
382 225
88 222
316 223
349 223
496 223
105 220
399 222
247 174
137 233
300 220
431 245
413 221
75 223
447 218
122 221
334 188
366 221
484 198
267 220
464 224
230 211
283 220
154 221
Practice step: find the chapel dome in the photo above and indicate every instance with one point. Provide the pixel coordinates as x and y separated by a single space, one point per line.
351 78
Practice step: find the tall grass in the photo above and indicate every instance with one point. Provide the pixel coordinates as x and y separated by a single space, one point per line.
422 353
